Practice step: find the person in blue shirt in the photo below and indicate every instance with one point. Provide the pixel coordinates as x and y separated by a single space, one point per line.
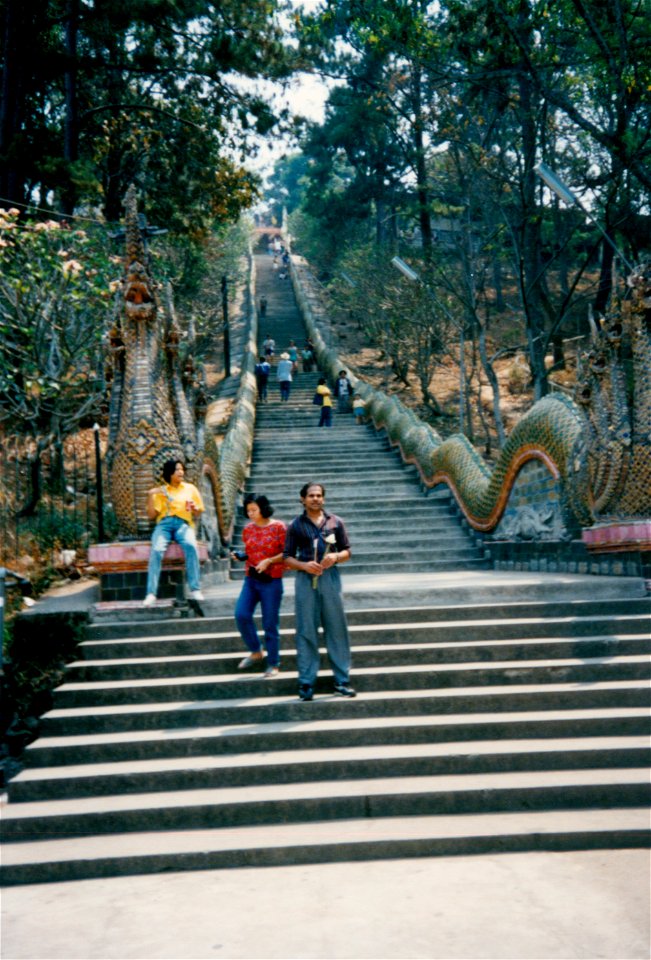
316 543
262 371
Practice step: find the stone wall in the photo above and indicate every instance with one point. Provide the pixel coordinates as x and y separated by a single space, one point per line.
536 508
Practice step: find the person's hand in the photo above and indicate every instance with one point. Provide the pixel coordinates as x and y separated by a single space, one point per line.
314 567
329 560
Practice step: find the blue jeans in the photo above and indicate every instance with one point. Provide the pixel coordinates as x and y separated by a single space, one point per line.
285 387
269 596
325 420
323 605
173 528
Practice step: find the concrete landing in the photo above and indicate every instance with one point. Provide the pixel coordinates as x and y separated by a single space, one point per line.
380 589
549 906
470 586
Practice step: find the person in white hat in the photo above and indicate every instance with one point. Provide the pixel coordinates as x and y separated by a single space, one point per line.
284 375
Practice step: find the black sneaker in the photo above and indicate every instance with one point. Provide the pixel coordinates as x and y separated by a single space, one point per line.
306 692
344 690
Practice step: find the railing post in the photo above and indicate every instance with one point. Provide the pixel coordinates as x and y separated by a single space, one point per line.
227 334
98 485
2 615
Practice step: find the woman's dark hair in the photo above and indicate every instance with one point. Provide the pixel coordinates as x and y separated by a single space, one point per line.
322 380
265 507
169 467
306 487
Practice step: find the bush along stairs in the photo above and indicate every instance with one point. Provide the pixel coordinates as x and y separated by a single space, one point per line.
492 715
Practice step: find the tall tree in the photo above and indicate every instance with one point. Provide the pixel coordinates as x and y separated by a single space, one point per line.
115 80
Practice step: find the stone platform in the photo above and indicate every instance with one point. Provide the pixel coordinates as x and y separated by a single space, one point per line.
122 568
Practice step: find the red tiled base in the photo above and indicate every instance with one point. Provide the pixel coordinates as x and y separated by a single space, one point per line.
133 555
122 567
615 537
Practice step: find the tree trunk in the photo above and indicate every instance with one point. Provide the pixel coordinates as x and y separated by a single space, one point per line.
114 186
500 304
16 33
71 127
491 376
530 262
558 352
605 278
422 190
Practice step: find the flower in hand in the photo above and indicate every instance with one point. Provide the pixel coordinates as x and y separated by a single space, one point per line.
330 541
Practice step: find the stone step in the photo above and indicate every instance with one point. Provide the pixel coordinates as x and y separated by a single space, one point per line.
367 679
393 552
438 525
341 441
311 801
599 634
349 442
359 839
347 437
387 654
467 560
471 759
576 613
413 509
322 734
332 475
279 490
279 707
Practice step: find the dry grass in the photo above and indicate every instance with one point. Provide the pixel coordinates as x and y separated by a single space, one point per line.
516 394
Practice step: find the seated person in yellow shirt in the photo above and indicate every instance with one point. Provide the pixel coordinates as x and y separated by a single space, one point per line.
174 506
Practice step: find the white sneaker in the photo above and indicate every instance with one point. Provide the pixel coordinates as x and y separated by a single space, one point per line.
196 595
149 600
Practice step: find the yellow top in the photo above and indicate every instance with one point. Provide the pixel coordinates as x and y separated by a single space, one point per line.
325 393
172 502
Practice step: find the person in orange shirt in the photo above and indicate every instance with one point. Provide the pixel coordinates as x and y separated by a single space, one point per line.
174 506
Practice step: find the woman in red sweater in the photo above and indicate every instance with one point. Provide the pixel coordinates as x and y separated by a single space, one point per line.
264 542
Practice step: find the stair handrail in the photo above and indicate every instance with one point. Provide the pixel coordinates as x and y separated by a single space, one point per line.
236 448
548 432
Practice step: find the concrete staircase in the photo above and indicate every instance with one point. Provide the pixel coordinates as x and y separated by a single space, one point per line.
505 725
393 525
492 715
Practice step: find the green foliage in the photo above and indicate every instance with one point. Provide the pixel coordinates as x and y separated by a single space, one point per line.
102 94
434 138
55 299
195 266
58 529
285 189
37 649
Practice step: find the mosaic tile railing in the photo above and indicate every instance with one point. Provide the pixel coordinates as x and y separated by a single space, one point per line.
581 453
158 407
155 408
235 450
612 461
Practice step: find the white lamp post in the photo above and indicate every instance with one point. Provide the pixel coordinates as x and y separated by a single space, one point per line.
405 269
